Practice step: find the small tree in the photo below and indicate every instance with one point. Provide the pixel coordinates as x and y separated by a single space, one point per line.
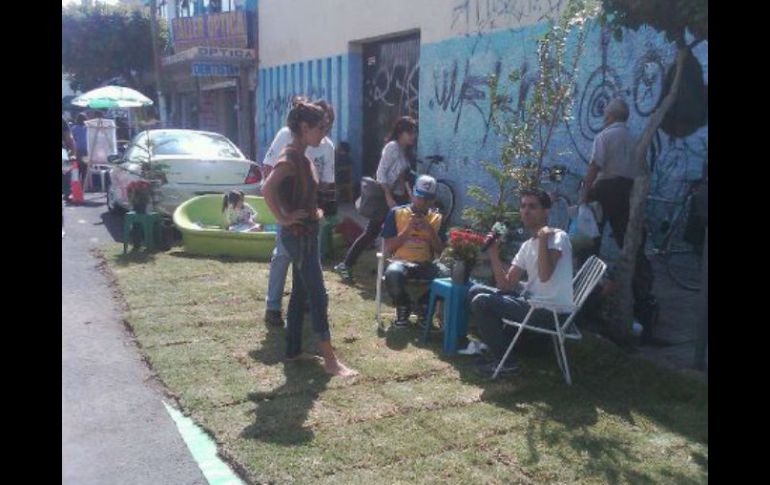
527 136
100 42
674 18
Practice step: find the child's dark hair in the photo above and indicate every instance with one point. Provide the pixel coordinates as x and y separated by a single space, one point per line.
403 124
303 111
231 198
540 194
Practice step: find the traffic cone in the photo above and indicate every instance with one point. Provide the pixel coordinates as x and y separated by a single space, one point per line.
77 190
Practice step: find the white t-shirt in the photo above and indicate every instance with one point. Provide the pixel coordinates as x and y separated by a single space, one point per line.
322 155
558 289
392 163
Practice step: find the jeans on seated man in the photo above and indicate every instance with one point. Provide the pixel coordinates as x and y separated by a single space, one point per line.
411 234
546 258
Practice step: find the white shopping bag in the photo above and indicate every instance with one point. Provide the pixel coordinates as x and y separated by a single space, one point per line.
586 222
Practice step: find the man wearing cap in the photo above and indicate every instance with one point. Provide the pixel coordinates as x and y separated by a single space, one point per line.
411 234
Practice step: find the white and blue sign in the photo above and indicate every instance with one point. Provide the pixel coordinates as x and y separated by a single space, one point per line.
221 70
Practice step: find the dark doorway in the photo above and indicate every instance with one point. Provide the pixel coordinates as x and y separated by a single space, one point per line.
391 90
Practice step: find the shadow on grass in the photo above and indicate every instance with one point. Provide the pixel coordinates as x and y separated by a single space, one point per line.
280 414
179 252
134 256
604 380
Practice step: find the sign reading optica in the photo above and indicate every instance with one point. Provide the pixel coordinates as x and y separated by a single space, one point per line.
221 70
216 53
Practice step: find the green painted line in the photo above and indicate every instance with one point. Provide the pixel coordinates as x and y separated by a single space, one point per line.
203 449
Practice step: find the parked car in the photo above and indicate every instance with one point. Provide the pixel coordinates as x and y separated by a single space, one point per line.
190 163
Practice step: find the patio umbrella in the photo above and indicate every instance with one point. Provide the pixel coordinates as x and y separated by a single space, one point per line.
112 97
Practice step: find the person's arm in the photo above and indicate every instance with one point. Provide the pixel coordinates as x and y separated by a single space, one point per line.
597 162
546 258
394 238
282 138
270 192
387 159
436 243
588 181
503 280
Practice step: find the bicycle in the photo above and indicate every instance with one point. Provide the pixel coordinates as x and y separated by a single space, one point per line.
681 258
445 195
551 180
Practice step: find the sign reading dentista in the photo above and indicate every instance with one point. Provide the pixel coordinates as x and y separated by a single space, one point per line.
226 29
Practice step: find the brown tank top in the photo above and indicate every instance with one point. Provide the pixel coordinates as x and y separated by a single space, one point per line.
300 189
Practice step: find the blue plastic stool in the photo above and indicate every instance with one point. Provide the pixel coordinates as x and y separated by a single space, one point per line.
455 311
147 221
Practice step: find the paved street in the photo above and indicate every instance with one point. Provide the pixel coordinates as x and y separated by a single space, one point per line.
114 427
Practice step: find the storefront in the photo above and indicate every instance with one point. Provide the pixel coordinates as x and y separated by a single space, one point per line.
210 80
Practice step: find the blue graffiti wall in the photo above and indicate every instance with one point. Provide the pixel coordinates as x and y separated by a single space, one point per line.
335 78
456 121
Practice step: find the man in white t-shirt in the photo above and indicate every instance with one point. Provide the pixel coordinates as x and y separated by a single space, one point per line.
546 258
322 157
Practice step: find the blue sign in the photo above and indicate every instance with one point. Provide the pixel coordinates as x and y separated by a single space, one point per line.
221 70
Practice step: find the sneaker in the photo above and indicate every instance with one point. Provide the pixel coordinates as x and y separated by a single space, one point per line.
344 271
511 367
402 317
273 318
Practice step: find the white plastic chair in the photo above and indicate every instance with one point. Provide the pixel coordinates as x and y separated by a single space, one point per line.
583 284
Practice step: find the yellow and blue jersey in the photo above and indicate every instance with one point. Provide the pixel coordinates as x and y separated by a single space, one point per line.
417 246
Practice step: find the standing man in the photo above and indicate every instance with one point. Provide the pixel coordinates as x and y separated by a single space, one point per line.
322 157
609 180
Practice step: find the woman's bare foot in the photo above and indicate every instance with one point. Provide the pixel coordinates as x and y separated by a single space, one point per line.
303 356
337 368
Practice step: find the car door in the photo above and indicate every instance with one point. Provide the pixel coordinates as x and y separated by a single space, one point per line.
128 169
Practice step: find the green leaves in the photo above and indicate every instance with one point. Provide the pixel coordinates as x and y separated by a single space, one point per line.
102 41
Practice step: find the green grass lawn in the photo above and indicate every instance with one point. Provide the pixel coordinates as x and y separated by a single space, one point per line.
414 415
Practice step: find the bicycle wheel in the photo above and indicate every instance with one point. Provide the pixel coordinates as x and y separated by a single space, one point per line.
683 260
445 200
558 215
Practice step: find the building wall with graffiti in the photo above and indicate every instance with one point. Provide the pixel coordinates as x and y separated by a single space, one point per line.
456 118
461 44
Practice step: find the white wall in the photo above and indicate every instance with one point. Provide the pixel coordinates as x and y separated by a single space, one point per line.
294 30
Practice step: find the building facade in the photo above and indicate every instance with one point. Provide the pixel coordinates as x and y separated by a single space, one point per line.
433 59
210 79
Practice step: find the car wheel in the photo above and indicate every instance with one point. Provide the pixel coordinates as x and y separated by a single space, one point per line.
112 204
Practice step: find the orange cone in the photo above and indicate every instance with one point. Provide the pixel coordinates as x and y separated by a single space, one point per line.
77 190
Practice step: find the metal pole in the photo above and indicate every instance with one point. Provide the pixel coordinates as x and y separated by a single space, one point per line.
156 59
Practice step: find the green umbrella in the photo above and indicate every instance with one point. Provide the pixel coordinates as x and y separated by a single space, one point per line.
112 97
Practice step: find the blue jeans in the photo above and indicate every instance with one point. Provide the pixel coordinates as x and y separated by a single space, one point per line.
489 305
279 266
307 284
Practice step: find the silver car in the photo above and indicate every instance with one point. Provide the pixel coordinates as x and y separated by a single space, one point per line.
190 163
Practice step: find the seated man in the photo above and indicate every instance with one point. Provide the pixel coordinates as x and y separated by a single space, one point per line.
547 259
411 234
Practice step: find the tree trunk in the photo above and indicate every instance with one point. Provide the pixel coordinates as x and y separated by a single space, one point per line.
622 304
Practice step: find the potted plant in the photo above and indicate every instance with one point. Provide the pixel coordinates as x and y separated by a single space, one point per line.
139 193
464 246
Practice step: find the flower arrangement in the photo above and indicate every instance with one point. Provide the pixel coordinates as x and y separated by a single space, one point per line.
139 193
464 245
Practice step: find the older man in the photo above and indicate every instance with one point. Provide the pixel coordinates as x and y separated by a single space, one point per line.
609 180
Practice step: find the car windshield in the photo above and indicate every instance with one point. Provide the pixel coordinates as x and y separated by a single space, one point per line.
202 145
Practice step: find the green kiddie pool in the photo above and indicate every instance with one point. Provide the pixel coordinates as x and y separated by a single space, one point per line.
200 221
